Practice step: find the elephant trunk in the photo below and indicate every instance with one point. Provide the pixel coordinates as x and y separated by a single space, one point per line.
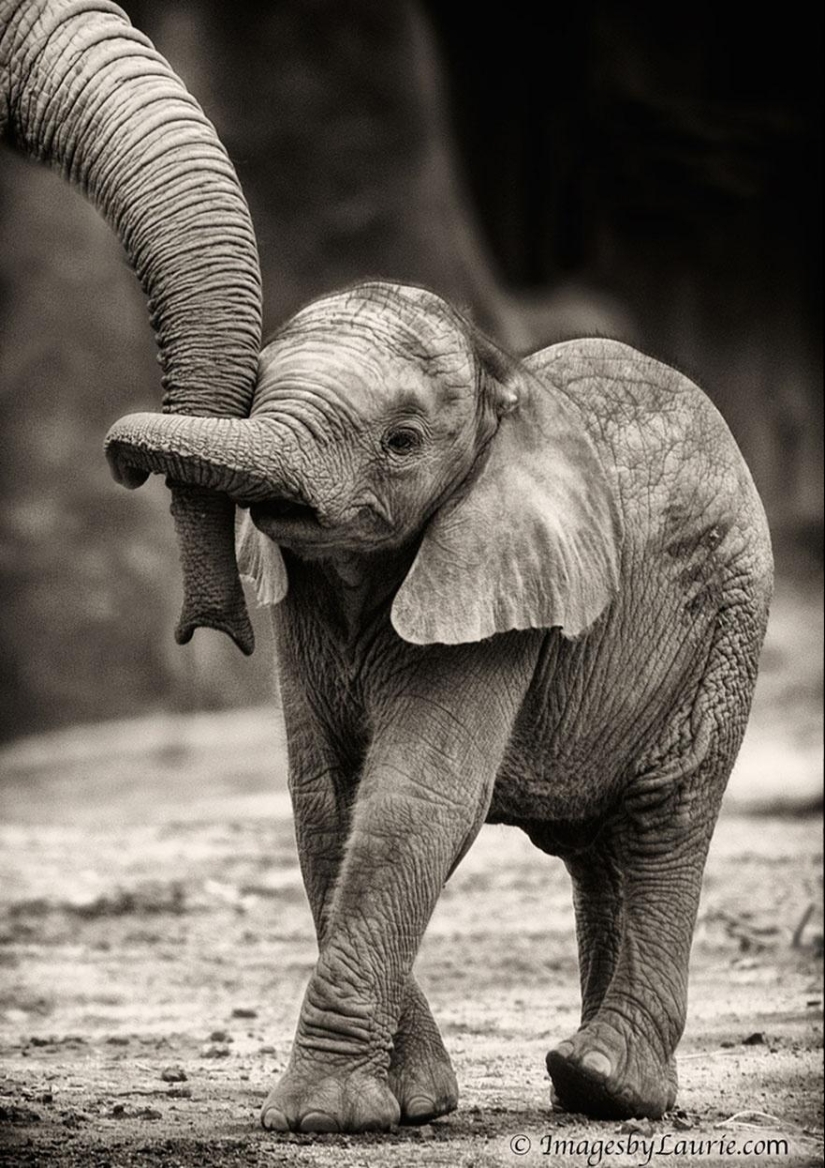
252 460
87 93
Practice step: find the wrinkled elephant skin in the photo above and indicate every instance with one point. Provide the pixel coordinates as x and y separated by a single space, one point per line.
84 91
530 593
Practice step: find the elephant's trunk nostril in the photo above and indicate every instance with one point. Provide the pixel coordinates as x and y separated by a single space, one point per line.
127 474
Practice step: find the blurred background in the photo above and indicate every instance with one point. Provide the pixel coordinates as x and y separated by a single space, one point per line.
646 171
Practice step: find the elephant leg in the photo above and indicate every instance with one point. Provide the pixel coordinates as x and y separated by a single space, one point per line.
620 1064
339 1075
424 790
598 900
421 1075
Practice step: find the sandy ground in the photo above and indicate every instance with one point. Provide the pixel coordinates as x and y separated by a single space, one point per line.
155 941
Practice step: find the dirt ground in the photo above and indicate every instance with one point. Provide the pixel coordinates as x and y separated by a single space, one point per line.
155 941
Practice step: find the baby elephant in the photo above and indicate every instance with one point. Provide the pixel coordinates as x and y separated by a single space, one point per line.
525 592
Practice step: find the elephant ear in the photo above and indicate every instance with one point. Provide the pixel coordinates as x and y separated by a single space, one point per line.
533 538
260 561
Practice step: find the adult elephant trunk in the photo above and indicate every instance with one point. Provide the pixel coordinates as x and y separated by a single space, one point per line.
84 91
254 460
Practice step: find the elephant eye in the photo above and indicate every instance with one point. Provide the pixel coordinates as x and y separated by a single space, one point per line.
402 440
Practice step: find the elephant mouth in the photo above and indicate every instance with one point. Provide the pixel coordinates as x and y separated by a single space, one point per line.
285 520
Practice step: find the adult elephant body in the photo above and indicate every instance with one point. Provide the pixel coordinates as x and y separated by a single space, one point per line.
531 593
84 91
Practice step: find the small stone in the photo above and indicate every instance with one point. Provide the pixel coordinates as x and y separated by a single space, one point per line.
220 1036
266 1049
148 1113
755 1039
636 1127
173 1075
14 1114
215 1050
244 1012
179 1093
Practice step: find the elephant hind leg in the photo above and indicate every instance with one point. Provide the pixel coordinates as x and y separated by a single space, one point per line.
620 1064
598 896
634 977
637 934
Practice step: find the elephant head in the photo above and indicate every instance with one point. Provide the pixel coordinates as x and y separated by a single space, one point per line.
383 421
83 90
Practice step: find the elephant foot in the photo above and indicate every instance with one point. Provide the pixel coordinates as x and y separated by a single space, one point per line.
355 1102
422 1079
600 1073
420 1075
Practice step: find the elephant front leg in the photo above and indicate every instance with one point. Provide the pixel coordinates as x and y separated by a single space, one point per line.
326 1094
420 1076
366 1051
365 1042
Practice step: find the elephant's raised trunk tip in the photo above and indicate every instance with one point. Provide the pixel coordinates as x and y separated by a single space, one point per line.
124 472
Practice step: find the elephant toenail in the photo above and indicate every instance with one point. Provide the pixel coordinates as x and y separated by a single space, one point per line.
274 1119
319 1121
565 1049
419 1108
598 1063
